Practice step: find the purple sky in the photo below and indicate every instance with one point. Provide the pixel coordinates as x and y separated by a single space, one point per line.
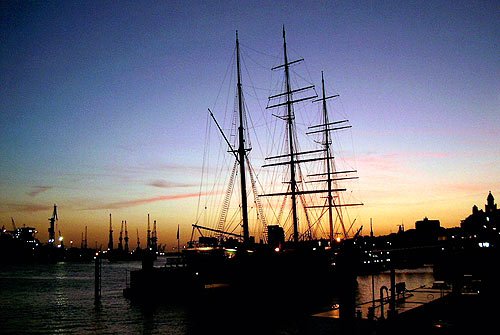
104 103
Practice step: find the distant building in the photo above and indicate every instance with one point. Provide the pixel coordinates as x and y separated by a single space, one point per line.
427 230
276 235
482 221
490 206
428 226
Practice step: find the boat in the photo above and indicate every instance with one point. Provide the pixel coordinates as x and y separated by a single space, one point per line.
295 255
19 245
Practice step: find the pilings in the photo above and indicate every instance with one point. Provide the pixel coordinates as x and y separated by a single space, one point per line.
97 278
392 300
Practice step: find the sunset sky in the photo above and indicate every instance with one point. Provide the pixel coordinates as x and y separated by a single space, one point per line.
104 104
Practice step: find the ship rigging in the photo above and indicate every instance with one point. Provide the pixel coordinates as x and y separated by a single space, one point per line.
301 188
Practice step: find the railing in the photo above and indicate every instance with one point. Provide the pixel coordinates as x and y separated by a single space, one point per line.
175 262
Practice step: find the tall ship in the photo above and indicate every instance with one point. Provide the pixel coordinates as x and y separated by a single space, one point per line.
281 228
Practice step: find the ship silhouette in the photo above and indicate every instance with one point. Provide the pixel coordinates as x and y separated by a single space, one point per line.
300 245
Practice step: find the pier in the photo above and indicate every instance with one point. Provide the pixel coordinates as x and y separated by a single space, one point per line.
372 315
424 310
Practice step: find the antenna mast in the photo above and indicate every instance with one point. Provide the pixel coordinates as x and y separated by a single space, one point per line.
138 240
85 241
110 242
154 239
126 237
120 239
148 241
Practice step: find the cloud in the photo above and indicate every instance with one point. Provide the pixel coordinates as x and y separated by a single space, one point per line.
136 202
167 184
36 190
383 162
471 187
397 168
152 167
29 207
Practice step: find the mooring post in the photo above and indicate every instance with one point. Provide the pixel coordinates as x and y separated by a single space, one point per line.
97 281
392 300
382 302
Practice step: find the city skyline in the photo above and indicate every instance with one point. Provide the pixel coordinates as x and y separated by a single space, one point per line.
104 105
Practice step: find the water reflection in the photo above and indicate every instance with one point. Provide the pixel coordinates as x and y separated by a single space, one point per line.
413 278
59 298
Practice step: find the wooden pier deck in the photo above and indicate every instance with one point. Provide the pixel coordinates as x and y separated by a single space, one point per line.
405 301
417 310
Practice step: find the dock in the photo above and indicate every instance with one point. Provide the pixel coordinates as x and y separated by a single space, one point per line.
424 310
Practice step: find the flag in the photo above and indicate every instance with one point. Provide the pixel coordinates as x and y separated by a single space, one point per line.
177 231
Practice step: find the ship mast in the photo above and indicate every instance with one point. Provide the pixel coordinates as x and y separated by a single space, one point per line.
241 149
326 128
290 127
328 171
289 117
240 156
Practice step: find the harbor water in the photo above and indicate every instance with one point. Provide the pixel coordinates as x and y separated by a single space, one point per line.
59 299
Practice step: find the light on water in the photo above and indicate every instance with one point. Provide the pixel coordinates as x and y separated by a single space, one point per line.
413 278
59 298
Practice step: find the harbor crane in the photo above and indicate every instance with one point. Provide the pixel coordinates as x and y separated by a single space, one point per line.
52 220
